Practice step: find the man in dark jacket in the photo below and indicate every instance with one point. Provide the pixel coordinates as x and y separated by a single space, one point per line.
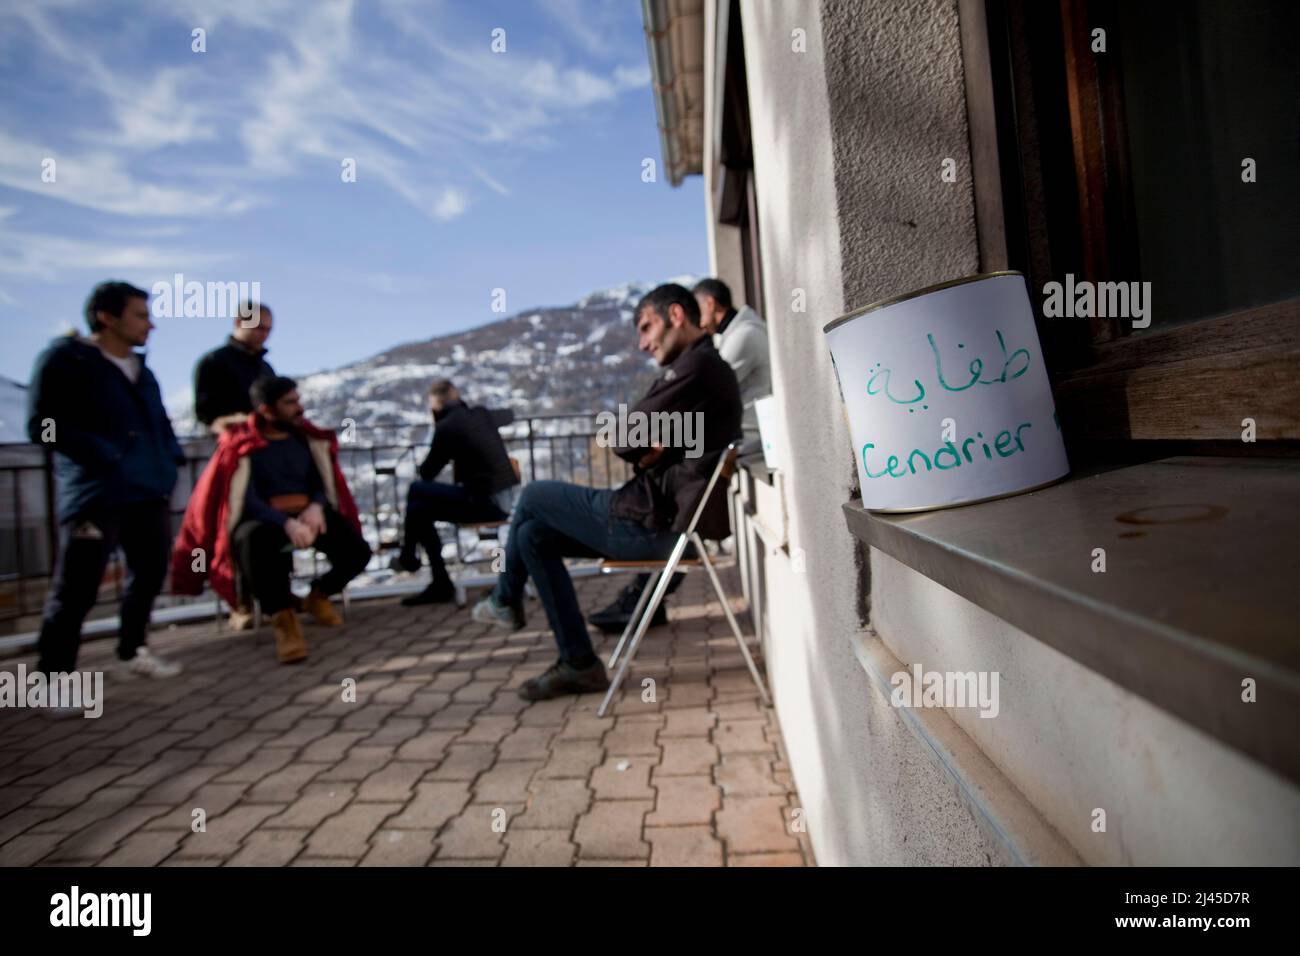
644 518
223 376
97 404
483 475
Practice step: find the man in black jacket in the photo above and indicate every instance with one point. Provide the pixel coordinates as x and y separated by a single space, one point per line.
223 376
95 402
467 437
644 518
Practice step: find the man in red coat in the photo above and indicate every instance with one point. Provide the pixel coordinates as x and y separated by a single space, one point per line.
273 485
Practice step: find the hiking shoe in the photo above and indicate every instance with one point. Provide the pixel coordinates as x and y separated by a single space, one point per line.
614 619
563 678
148 664
438 592
321 610
290 645
488 611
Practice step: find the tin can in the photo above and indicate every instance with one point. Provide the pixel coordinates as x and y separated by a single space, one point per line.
947 395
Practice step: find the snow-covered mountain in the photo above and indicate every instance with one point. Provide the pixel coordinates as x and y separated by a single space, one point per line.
542 361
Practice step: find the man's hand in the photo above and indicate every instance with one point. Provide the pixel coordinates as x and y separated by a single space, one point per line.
650 457
299 533
313 516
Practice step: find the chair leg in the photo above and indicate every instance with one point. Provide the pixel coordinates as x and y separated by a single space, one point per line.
731 618
660 589
635 618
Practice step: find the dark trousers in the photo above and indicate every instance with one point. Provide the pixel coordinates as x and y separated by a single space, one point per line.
554 520
431 501
265 556
143 531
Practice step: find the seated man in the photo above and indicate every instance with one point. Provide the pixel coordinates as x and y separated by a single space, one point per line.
640 521
467 436
275 480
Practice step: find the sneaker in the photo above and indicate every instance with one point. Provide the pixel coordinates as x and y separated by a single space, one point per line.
148 664
614 619
487 611
241 619
438 592
563 678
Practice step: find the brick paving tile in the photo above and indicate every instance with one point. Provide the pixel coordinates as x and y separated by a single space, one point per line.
400 848
684 800
261 764
269 848
464 762
632 737
488 729
29 848
360 763
641 863
683 846
222 835
425 705
427 748
474 834
623 778
348 833
755 825
213 799
612 830
21 820
318 801
432 806
689 722
527 743
506 782
237 749
396 731
554 805
143 848
459 716
538 848
395 782
100 838
582 726
686 756
743 737
100 804
332 747
572 758
284 785
747 775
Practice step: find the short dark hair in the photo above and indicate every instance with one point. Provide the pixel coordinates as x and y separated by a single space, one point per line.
670 293
441 387
110 297
716 288
269 389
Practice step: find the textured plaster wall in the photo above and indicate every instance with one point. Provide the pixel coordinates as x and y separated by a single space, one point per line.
870 793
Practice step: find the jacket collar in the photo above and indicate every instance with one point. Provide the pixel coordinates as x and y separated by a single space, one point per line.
236 344
448 409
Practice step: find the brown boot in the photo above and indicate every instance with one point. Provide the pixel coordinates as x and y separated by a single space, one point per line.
290 645
320 608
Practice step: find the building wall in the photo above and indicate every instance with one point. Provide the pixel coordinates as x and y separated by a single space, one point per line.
849 140
870 793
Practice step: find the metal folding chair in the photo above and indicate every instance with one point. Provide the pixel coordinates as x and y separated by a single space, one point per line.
653 593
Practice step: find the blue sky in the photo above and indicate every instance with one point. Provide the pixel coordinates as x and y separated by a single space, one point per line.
475 170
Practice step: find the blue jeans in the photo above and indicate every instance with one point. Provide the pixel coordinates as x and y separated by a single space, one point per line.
554 520
431 501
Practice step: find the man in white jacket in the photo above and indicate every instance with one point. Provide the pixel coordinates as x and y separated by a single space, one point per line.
740 337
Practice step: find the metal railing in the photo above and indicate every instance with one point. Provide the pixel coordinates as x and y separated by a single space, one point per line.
562 447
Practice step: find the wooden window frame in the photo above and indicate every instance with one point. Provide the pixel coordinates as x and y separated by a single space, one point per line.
1062 181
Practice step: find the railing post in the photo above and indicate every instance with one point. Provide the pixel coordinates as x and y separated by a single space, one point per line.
532 457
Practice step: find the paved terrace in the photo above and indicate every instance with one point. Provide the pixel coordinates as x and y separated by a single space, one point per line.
436 750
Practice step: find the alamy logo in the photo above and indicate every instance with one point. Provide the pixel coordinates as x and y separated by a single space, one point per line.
75 908
179 299
1084 300
636 429
81 689
921 688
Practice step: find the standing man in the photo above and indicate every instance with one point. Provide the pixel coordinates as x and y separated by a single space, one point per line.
274 484
97 403
223 376
741 339
640 521
222 379
467 437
